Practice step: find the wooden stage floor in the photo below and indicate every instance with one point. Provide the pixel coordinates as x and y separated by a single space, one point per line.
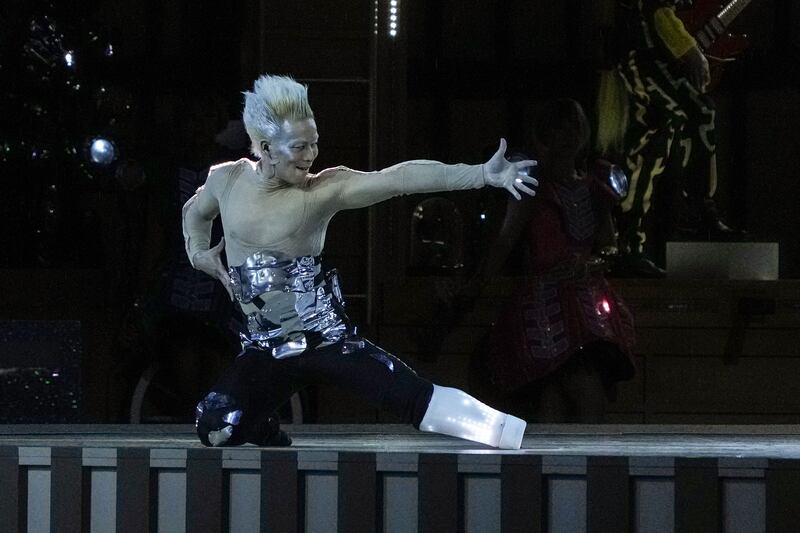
751 441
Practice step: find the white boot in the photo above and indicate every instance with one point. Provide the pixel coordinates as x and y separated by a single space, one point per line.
456 413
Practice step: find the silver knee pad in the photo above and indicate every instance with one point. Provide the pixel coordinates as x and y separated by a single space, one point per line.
215 418
456 413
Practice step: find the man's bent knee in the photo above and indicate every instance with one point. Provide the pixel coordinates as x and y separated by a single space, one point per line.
217 418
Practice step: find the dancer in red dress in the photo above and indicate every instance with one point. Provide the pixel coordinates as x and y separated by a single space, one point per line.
567 337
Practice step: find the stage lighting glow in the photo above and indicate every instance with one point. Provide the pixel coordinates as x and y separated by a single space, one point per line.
102 151
603 307
69 59
394 15
618 181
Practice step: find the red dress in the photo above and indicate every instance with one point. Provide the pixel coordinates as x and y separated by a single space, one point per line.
561 311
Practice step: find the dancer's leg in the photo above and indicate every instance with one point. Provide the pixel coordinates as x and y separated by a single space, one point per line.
240 407
454 412
387 382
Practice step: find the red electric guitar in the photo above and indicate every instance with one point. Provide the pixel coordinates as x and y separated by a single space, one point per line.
708 21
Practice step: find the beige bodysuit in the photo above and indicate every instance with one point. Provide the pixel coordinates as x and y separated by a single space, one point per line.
274 232
292 220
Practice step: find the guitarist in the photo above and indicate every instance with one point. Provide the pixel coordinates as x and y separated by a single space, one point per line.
668 121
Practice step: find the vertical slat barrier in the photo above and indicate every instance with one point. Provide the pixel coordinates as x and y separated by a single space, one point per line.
358 493
67 505
783 495
439 509
280 504
743 504
608 495
521 506
653 503
133 490
11 504
204 484
697 495
22 520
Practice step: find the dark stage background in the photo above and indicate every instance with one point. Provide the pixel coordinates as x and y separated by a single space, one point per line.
101 246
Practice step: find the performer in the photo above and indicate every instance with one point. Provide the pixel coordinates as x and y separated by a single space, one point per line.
670 123
274 215
559 347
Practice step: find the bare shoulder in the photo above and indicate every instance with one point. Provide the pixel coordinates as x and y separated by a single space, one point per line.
331 176
220 174
330 172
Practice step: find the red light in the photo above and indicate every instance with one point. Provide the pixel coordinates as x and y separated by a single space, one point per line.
603 307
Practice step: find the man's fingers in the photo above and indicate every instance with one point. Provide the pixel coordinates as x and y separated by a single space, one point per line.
502 148
229 289
225 279
527 179
514 192
222 274
527 190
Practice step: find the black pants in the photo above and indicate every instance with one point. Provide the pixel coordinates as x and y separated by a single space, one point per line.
259 384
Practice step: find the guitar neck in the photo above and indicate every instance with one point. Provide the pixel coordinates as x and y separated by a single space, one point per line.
731 11
718 25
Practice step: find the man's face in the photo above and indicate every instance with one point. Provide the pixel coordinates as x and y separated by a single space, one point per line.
294 150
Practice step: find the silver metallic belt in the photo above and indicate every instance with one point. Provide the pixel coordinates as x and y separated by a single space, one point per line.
290 305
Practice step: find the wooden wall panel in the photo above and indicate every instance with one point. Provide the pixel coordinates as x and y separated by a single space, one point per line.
695 362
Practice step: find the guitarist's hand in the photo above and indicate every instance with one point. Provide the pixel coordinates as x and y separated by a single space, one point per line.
695 67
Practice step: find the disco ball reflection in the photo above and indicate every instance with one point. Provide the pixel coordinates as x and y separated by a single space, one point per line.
102 151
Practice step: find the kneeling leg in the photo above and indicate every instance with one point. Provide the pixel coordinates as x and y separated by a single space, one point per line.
241 407
220 421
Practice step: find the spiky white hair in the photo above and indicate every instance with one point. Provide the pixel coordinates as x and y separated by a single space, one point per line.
273 100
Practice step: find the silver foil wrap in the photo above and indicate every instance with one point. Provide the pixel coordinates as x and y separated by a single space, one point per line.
289 305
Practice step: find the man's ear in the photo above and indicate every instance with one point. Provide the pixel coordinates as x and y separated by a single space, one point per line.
268 153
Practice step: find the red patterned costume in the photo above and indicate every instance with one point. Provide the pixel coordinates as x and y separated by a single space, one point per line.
565 308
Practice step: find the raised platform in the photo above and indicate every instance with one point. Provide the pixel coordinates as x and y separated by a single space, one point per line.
723 260
391 478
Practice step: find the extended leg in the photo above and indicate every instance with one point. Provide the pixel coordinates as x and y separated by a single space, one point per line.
387 382
456 413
